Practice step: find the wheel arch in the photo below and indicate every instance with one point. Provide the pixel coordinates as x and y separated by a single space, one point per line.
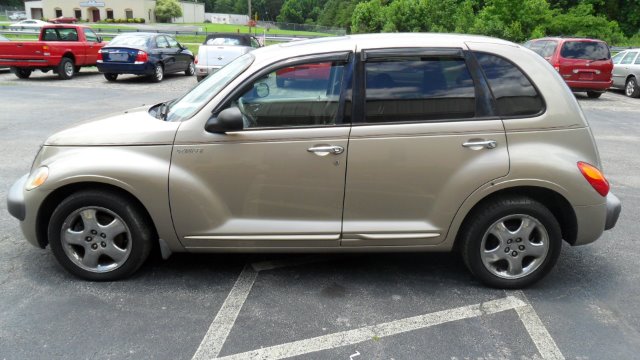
68 54
50 203
559 206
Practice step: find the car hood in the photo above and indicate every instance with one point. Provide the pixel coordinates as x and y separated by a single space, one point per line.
134 127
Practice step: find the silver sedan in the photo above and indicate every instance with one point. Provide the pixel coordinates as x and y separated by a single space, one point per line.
626 71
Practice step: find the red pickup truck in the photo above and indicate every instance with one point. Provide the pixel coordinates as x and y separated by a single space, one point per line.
64 49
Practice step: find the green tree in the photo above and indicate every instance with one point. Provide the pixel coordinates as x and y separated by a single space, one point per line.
370 16
500 18
168 9
581 21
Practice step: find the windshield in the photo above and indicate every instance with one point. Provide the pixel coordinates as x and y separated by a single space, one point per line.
195 99
586 50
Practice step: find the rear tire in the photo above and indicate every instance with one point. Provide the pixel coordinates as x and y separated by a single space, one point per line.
66 69
111 77
594 94
631 88
158 73
21 73
99 235
511 242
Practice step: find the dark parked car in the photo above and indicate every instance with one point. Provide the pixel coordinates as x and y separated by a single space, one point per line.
584 64
147 54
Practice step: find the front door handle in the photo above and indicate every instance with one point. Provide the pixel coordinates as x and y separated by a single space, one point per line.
480 144
323 150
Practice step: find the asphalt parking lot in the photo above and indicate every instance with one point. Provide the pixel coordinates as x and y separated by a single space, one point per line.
368 306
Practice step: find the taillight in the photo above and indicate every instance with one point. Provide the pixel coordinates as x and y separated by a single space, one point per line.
557 67
100 59
141 57
196 60
594 177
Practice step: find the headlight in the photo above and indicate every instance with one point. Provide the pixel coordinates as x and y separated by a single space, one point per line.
37 178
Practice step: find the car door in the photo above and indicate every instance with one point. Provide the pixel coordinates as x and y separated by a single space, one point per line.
92 46
166 55
424 138
279 182
181 59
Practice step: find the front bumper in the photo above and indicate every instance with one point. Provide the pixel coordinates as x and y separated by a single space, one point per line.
15 199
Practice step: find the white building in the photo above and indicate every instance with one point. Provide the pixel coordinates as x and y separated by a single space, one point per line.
97 10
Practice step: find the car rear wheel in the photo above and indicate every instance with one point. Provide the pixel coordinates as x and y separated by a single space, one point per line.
21 73
511 242
99 235
631 89
66 69
593 94
191 69
158 73
111 77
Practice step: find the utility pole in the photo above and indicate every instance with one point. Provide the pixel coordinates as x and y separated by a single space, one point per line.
249 4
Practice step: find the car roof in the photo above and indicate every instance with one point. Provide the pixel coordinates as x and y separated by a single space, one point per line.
374 41
145 34
559 38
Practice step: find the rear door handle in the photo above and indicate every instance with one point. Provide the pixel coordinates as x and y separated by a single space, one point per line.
480 144
323 150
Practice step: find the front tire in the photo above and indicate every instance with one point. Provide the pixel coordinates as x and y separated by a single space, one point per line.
21 73
191 69
99 235
158 73
111 77
66 69
631 88
511 243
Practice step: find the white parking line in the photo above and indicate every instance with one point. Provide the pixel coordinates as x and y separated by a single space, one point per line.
538 333
367 333
221 326
294 261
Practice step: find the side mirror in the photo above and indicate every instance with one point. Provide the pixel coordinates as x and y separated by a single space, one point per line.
228 120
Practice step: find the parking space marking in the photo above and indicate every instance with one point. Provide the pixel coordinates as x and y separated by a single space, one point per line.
225 319
297 261
545 344
367 333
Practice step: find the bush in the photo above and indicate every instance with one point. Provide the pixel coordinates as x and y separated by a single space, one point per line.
110 21
130 21
207 21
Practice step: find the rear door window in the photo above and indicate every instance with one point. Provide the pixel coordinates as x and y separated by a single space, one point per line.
418 88
616 59
514 93
549 48
585 50
162 42
628 59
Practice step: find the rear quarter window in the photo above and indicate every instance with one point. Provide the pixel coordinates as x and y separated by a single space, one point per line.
514 93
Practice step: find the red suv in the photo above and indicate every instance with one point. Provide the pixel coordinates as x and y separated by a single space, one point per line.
585 64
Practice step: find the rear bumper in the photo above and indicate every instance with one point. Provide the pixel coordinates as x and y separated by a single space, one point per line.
578 85
121 68
614 207
593 220
202 71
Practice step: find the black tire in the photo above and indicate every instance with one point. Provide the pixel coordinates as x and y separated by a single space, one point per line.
134 237
279 82
191 69
631 88
110 76
594 94
158 73
509 211
200 78
66 69
21 73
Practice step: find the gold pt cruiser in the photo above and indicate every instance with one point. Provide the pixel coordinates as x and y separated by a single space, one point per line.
385 142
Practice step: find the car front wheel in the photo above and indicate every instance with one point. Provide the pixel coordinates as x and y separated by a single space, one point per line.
191 69
631 88
99 235
511 243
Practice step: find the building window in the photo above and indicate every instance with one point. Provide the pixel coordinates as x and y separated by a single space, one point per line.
109 13
58 12
77 13
128 13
